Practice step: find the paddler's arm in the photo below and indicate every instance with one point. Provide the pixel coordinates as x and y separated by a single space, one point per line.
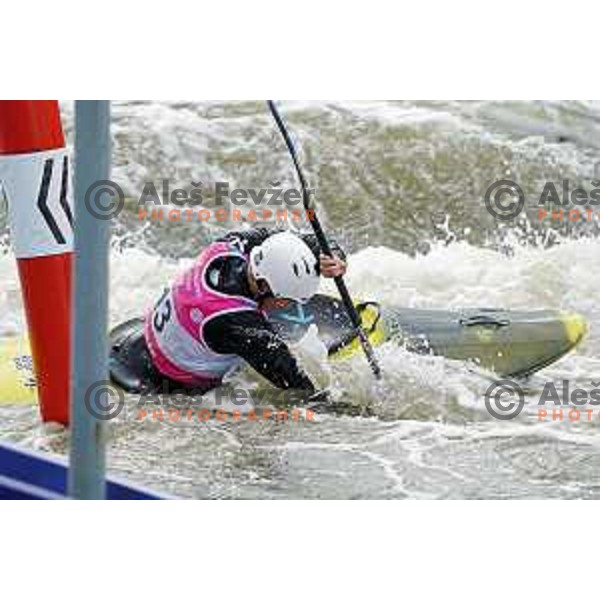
249 335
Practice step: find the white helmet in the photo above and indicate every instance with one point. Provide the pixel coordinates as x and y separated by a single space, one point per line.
288 265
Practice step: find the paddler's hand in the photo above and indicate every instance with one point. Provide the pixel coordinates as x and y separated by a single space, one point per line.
332 266
272 303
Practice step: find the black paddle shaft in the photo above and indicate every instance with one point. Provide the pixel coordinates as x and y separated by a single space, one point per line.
325 247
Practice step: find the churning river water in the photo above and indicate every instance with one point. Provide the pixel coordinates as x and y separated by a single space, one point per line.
401 186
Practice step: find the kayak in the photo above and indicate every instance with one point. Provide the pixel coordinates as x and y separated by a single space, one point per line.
17 380
508 343
505 342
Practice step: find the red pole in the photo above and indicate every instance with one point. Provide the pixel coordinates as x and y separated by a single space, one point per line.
35 173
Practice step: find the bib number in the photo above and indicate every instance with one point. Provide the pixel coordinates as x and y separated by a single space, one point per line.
163 311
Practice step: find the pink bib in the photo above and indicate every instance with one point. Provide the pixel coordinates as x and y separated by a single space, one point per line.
174 328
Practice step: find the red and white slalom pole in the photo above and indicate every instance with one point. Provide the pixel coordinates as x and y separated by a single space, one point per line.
35 174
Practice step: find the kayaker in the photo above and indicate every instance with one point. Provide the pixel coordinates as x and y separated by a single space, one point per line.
212 318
